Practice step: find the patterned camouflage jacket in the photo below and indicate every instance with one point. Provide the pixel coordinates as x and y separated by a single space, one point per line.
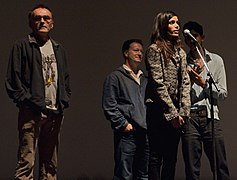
168 83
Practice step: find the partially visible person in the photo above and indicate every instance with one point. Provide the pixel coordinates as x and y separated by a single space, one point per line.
198 129
37 80
167 97
124 106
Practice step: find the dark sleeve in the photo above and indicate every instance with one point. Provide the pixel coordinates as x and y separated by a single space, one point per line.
110 103
67 79
15 88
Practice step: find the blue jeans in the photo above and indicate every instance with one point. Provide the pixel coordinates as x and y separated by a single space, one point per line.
131 155
198 135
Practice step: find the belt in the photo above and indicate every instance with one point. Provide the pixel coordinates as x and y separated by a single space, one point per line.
198 111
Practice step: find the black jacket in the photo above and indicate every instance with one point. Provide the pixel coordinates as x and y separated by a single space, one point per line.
24 80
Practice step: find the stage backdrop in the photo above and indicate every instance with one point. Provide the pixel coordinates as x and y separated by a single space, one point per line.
92 31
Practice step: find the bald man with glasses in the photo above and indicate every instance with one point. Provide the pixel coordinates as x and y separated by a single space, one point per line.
37 81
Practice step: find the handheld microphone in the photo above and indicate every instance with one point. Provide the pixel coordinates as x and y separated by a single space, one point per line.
187 33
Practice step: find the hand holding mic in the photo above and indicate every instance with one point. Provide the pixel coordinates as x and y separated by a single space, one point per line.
188 33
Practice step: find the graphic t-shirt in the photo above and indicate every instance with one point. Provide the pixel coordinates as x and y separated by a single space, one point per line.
50 74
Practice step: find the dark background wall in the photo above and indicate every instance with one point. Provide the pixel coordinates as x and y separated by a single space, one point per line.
92 33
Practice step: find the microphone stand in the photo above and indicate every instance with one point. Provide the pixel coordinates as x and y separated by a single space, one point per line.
210 81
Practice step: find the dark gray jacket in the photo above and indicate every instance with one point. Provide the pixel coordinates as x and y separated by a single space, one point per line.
123 100
24 80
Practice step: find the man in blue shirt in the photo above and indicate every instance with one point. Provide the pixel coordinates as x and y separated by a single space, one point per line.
198 129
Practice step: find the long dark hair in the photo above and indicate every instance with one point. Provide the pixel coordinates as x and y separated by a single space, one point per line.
160 35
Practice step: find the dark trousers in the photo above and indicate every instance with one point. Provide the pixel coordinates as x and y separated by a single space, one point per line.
42 132
197 136
131 154
163 142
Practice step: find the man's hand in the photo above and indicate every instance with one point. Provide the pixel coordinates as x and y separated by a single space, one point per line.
198 65
177 122
128 128
197 78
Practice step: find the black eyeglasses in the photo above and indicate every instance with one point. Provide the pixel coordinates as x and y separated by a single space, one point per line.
38 18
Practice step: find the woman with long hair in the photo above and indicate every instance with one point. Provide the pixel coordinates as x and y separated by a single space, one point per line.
168 95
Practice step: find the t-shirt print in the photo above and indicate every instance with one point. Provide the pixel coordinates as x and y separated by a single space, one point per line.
49 67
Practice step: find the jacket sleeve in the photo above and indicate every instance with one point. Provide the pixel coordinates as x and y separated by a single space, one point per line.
110 103
13 81
67 81
185 102
154 66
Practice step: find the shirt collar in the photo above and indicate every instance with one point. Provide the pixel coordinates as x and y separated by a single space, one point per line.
131 72
207 56
32 39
